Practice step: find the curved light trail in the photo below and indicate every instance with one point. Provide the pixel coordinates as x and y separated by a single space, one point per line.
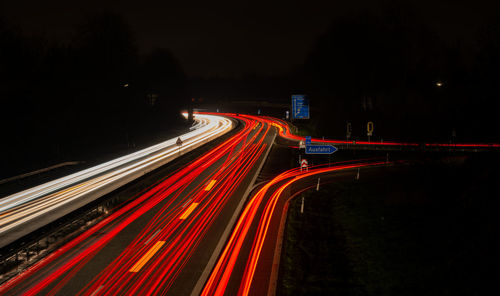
285 132
19 208
169 226
186 206
259 210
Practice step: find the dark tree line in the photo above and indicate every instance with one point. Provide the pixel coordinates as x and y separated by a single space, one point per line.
389 67
96 92
393 70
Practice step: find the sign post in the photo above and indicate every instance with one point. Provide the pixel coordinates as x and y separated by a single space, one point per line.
179 143
300 107
303 165
320 149
369 129
348 130
308 140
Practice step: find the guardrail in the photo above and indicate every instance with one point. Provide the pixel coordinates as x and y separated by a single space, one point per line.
26 211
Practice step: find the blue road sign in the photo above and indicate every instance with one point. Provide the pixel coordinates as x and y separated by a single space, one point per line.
308 140
320 149
300 107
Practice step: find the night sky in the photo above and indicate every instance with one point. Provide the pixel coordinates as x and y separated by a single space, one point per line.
233 38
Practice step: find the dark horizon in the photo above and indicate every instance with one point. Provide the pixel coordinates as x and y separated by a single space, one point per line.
106 73
224 40
287 147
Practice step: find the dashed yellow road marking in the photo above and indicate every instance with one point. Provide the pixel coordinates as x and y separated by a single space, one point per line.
189 210
210 185
147 256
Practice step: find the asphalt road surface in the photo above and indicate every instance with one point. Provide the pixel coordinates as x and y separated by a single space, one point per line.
249 263
24 212
162 241
167 240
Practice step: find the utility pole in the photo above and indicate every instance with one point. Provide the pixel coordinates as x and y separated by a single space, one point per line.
348 133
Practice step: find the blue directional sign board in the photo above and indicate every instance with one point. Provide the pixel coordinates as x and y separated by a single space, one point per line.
320 149
300 107
308 140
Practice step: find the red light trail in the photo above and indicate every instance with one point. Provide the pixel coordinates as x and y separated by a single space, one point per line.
284 131
223 271
183 209
188 203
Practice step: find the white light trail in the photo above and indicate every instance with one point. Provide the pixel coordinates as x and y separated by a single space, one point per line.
19 208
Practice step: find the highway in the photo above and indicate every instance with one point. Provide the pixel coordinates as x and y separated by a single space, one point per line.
286 132
26 211
196 232
162 241
249 263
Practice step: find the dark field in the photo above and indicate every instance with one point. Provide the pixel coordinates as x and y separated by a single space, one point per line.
423 229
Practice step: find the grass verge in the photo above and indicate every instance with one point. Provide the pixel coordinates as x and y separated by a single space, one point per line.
428 229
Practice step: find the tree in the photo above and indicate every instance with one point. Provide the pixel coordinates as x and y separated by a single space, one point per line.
105 47
390 60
